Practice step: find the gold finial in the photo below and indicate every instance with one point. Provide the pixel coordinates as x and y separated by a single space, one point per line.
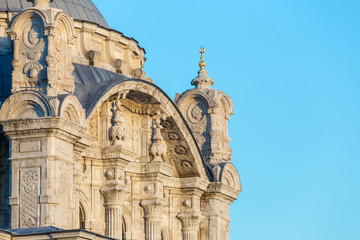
202 63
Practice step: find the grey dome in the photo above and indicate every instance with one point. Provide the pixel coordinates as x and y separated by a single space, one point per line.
83 10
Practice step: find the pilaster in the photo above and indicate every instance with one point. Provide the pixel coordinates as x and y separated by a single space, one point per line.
153 209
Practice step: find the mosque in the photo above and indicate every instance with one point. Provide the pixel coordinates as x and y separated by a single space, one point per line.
91 148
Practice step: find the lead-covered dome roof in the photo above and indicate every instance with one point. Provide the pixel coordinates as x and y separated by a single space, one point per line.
83 10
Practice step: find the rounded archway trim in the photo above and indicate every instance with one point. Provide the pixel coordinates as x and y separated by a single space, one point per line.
104 93
25 100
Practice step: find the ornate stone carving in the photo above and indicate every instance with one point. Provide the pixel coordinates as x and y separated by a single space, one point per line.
190 220
166 124
117 65
153 214
180 150
113 197
149 189
92 56
113 194
33 49
173 136
29 194
190 225
196 112
158 148
93 129
117 131
187 203
153 207
186 164
110 174
138 73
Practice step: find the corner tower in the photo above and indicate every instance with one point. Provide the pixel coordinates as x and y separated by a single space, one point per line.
207 112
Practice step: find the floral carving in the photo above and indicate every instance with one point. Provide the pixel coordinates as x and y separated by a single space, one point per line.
173 136
180 150
186 164
166 124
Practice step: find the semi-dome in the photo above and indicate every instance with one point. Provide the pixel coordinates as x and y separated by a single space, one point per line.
83 10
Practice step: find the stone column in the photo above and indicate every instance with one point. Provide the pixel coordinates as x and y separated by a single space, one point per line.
113 212
153 215
190 225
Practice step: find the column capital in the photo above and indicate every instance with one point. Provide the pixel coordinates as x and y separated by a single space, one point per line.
190 221
113 195
153 207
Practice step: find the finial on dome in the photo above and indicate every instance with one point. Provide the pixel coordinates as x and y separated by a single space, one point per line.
202 63
41 3
202 80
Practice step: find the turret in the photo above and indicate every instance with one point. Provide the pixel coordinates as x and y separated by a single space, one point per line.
207 112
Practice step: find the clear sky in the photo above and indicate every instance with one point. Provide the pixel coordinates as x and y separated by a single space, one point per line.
292 69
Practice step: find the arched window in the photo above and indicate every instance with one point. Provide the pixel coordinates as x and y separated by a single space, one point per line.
123 228
82 217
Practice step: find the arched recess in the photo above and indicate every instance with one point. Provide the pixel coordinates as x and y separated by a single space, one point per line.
82 217
71 109
229 176
4 182
26 104
174 122
84 213
126 224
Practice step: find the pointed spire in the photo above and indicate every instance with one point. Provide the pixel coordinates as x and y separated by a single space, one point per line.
202 80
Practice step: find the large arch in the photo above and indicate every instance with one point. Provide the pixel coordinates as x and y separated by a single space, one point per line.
175 120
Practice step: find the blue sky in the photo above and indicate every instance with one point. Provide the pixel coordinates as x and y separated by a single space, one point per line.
293 71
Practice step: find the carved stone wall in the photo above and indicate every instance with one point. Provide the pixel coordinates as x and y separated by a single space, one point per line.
29 186
30 50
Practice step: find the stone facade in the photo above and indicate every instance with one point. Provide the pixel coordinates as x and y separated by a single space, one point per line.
88 141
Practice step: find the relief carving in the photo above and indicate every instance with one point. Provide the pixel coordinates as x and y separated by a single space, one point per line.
180 150
93 130
185 164
149 189
117 131
110 174
173 136
33 48
196 112
29 193
158 148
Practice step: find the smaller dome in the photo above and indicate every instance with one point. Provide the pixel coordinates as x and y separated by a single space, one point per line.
83 10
